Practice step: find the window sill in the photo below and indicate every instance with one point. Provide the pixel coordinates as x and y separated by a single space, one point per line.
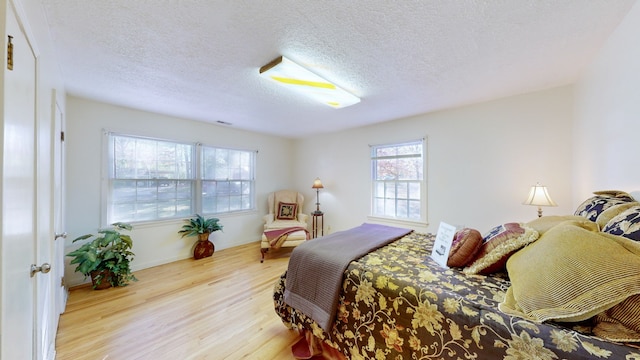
402 222
180 220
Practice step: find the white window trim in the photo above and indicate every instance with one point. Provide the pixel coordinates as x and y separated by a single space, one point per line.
423 221
200 180
105 195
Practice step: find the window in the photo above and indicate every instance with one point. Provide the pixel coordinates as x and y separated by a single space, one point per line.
398 186
151 179
227 180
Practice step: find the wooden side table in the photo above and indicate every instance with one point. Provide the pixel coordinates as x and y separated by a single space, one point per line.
317 225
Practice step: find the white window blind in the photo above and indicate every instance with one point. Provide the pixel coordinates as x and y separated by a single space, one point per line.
153 179
227 180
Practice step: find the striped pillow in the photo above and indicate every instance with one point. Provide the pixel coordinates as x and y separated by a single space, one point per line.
621 322
572 273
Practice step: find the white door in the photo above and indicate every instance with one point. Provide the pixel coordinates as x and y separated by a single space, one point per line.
18 195
58 212
45 311
47 314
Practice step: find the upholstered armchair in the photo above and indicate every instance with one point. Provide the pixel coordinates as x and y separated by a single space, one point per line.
285 210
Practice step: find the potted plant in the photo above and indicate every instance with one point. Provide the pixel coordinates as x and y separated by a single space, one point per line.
201 227
106 257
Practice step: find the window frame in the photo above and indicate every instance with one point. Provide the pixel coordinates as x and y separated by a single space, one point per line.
422 220
251 181
197 180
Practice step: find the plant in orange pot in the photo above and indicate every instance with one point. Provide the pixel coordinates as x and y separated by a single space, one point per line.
202 228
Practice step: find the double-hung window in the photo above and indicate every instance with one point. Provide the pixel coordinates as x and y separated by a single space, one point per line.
227 180
153 179
149 179
398 181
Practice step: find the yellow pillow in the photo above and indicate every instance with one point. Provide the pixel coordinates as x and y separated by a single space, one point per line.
572 273
543 224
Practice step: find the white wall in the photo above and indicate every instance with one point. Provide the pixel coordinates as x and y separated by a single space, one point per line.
482 160
607 126
159 243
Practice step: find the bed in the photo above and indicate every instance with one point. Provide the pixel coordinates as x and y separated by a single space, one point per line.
395 302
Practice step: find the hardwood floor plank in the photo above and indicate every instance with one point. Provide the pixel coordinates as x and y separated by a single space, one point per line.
219 307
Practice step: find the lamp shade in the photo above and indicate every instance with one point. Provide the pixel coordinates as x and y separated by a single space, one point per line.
317 184
539 196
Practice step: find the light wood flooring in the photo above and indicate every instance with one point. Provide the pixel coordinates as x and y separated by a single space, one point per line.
219 307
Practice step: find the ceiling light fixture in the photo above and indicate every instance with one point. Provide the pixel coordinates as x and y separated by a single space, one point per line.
293 76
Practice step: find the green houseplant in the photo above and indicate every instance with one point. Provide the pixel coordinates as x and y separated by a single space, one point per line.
106 257
201 227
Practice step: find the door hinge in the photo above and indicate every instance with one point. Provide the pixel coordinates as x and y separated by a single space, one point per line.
61 135
62 284
10 53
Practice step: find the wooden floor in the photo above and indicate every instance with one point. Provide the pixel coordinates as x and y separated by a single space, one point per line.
214 308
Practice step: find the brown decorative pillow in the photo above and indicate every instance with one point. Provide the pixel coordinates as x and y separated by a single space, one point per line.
287 211
497 245
466 244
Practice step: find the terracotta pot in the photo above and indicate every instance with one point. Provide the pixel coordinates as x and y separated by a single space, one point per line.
204 247
105 281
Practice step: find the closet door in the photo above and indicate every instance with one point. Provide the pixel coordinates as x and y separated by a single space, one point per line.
18 253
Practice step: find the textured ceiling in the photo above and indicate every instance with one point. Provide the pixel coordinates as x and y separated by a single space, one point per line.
199 59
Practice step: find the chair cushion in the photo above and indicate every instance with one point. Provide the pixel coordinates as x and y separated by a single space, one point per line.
287 211
293 240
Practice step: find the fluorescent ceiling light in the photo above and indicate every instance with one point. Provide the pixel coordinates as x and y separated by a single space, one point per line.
293 76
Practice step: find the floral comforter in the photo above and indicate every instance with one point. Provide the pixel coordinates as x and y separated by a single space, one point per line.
397 303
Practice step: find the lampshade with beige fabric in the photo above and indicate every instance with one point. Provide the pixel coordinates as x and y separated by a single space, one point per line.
317 184
539 196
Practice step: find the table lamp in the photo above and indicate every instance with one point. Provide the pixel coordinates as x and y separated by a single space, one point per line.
539 196
317 184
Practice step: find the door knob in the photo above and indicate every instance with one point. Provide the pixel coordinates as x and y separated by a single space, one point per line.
45 268
61 235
